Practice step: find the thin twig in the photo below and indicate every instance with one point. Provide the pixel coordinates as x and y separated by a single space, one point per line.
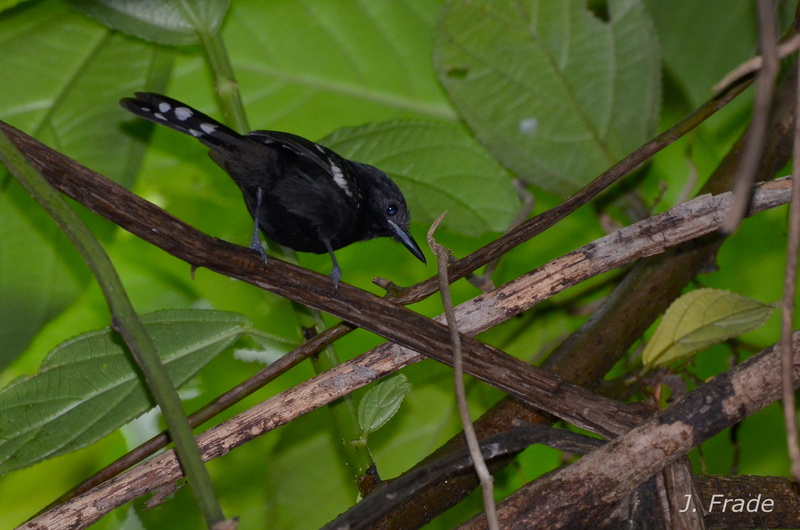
787 314
458 375
757 134
754 65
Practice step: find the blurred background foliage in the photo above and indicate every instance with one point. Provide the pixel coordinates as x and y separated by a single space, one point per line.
392 82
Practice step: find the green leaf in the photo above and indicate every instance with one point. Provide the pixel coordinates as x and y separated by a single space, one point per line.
557 93
40 273
313 67
700 319
162 21
735 30
381 403
88 386
439 166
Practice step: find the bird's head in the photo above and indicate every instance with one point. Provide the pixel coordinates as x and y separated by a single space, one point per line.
387 210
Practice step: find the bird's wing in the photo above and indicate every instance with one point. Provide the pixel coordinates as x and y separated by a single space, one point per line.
298 145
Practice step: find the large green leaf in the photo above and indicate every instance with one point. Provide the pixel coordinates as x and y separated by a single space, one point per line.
89 386
439 166
700 319
311 67
554 91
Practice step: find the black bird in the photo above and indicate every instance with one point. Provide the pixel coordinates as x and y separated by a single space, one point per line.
301 194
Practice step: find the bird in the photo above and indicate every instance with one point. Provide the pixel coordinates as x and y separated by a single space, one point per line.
299 193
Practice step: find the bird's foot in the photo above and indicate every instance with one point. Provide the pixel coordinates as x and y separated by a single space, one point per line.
335 275
256 245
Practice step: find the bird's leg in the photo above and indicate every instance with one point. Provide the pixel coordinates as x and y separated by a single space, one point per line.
255 243
336 273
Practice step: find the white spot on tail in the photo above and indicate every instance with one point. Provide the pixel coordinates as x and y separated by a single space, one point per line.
183 113
164 107
195 133
208 128
160 116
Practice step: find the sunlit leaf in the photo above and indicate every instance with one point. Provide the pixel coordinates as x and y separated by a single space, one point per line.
313 67
89 386
700 319
381 403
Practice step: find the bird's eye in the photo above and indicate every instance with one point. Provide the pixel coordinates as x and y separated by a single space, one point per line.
391 209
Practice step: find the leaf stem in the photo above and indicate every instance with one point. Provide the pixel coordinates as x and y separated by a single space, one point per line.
225 83
219 62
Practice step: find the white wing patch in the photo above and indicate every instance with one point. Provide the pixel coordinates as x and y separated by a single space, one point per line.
338 178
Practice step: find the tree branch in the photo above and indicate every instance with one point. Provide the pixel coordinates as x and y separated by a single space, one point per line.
405 327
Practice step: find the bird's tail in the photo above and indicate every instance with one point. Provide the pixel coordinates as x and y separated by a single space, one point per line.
183 118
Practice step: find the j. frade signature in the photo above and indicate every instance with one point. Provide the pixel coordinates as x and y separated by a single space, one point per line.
720 503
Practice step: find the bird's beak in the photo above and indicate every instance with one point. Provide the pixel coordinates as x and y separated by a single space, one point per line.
405 238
